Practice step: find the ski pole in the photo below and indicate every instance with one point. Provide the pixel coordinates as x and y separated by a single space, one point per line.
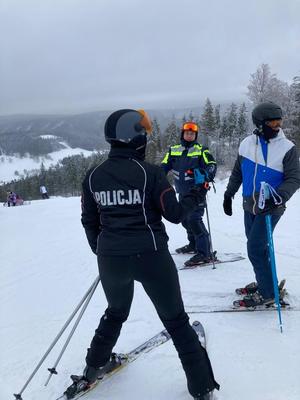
273 267
88 299
19 395
210 240
265 193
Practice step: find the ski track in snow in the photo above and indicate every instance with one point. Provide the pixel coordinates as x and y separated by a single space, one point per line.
47 266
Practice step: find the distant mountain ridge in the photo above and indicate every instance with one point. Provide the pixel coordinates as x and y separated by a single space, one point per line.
43 134
38 135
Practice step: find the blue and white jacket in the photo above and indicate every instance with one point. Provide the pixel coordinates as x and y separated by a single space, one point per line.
275 162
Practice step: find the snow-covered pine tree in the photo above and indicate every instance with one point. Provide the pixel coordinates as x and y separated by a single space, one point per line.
207 123
217 116
154 146
293 120
172 134
217 145
208 118
242 123
265 86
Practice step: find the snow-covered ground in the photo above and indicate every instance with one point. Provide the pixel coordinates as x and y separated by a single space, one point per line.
47 266
10 164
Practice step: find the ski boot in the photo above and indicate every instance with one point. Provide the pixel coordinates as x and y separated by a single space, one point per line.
252 301
91 376
199 259
251 288
248 289
255 300
187 249
207 396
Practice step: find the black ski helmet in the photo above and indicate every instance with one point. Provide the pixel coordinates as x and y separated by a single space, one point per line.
125 125
267 111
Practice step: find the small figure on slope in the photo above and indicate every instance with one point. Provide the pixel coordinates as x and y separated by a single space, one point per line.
44 192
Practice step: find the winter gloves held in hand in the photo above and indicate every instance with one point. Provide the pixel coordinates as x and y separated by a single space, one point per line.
270 207
227 204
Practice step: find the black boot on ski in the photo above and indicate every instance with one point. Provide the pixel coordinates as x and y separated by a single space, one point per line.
91 376
207 396
256 300
252 301
187 249
248 289
199 259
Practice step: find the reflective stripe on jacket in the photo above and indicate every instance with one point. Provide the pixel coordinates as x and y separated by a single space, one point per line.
180 159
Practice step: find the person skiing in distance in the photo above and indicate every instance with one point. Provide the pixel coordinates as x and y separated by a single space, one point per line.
265 156
11 198
182 159
44 192
123 201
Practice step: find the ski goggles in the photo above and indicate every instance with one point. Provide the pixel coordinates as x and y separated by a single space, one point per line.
190 126
145 121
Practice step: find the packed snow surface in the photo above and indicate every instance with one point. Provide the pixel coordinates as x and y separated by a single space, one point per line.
47 266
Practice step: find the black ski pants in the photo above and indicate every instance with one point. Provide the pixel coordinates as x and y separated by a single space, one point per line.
258 251
158 274
196 232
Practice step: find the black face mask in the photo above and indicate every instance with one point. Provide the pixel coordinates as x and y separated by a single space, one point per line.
269 133
139 144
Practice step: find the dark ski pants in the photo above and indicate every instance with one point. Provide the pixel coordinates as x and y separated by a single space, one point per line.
196 231
158 274
258 252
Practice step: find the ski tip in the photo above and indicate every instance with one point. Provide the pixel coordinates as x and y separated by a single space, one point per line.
196 323
281 284
198 328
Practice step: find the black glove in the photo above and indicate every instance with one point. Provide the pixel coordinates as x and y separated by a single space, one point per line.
200 191
227 205
270 206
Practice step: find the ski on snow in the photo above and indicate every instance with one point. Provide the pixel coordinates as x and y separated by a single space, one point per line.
206 309
221 259
119 361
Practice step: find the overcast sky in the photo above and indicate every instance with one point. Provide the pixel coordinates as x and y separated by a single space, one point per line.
84 55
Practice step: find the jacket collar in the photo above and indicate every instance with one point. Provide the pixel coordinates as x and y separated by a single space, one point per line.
187 144
125 152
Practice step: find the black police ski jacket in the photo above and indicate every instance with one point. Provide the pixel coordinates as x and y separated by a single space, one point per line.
123 201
